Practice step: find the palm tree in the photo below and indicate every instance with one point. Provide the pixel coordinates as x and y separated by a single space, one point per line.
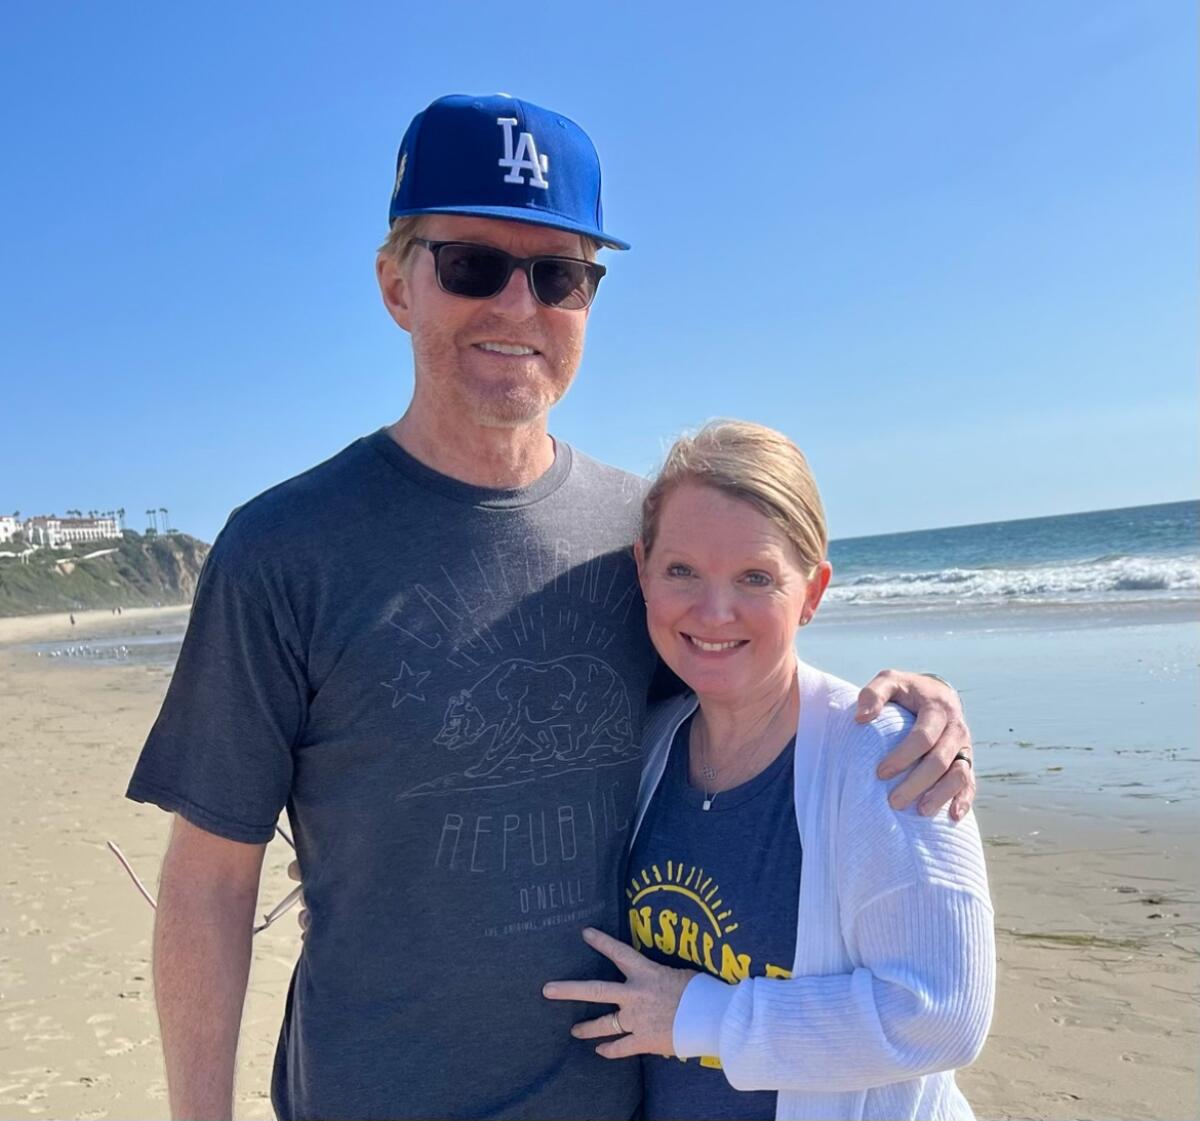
152 515
166 523
121 518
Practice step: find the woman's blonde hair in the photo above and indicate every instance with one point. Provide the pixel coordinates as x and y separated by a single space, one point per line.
751 462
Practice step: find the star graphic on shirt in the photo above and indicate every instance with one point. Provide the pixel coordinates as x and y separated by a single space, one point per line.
405 684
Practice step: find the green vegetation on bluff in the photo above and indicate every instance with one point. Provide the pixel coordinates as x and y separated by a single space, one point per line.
140 572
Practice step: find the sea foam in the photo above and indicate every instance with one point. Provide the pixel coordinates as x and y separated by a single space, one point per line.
1115 576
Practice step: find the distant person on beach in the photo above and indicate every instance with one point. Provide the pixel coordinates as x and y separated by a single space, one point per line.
824 954
450 703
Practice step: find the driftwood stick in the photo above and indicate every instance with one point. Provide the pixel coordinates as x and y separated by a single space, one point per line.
132 875
280 909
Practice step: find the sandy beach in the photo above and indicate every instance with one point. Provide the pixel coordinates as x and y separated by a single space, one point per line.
1096 906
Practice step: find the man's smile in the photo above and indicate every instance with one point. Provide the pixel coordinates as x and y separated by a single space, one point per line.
517 350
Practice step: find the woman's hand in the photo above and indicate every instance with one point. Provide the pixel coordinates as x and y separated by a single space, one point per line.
646 1001
937 742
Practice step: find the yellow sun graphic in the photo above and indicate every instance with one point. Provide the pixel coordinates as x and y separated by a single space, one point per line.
689 881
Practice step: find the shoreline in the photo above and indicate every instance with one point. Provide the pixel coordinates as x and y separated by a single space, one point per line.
94 623
916 616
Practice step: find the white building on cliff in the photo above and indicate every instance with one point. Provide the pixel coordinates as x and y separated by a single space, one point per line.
57 533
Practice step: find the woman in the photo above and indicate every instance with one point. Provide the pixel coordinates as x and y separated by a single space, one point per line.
808 950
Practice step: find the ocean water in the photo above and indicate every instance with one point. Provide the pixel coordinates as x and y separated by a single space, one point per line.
1074 642
160 649
1105 556
1097 716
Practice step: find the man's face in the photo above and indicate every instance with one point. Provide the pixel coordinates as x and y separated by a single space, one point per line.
461 368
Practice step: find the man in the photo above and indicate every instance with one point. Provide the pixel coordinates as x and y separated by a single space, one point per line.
432 650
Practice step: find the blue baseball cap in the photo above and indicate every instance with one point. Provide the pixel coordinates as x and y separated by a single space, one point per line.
498 157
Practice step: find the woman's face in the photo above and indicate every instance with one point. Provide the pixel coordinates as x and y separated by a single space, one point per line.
725 593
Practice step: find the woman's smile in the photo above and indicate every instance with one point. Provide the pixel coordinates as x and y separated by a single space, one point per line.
715 646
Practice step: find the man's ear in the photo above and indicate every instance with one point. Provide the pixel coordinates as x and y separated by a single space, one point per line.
393 287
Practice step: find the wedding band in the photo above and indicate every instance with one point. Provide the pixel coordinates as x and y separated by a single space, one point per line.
965 758
616 1023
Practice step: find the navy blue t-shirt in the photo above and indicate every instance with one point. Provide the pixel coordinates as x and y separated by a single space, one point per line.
715 890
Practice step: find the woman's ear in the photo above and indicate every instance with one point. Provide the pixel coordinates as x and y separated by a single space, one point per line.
817 583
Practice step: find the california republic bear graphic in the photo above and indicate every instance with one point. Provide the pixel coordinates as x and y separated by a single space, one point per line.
525 720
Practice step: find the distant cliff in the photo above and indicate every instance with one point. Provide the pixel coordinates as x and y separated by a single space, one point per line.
136 571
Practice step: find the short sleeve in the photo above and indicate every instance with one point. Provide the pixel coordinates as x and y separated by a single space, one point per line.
220 752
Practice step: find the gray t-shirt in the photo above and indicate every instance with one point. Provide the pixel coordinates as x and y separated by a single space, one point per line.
444 685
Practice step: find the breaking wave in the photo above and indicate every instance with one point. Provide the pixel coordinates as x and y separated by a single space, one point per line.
1108 576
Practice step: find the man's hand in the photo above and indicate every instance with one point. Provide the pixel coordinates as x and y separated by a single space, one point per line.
939 734
202 933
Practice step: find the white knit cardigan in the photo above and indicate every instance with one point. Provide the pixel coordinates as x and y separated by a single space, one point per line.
894 974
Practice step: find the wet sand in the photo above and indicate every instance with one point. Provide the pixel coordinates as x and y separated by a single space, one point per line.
1096 905
58 628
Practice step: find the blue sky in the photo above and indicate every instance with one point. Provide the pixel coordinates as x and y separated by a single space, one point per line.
949 247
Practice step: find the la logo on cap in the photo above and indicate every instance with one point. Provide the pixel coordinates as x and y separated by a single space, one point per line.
525 158
447 164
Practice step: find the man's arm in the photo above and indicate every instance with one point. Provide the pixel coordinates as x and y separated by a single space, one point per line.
202 934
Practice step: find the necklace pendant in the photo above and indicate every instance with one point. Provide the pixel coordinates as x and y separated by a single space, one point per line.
706 804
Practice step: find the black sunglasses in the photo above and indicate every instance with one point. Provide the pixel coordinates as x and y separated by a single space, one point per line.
479 272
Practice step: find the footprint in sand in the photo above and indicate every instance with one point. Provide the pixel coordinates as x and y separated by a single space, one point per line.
124 1046
1022 1050
34 1082
91 1079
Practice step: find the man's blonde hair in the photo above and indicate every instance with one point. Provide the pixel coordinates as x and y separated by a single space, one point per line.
751 462
399 243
